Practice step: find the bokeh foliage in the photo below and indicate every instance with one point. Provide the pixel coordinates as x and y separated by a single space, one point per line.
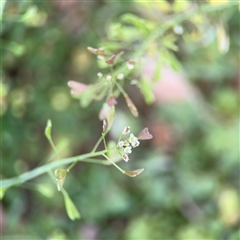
190 186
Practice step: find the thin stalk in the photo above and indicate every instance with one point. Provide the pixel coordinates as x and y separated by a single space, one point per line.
104 141
120 169
121 89
90 160
96 145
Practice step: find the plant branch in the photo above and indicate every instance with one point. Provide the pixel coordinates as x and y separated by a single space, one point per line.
45 168
169 24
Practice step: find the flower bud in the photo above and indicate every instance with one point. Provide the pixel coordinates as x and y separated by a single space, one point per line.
126 130
111 101
125 157
77 87
107 112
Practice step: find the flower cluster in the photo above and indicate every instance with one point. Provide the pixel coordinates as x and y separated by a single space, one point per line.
126 146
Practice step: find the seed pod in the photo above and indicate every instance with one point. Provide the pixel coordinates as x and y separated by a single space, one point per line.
131 106
134 173
110 60
96 51
144 135
60 175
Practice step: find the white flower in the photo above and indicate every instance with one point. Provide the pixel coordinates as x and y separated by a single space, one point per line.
121 144
178 29
99 74
120 76
125 157
133 140
109 77
135 144
127 150
126 130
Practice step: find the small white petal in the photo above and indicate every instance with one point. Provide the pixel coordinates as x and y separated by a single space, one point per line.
120 76
99 74
121 144
109 77
128 150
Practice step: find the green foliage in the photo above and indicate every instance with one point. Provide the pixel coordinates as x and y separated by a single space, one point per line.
189 187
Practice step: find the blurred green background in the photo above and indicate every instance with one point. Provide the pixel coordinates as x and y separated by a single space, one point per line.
190 186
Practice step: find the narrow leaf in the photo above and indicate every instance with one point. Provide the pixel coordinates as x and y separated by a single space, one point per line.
2 192
71 209
48 129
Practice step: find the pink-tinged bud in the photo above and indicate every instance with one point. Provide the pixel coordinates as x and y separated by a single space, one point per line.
96 51
131 106
107 112
111 101
126 130
134 173
145 135
125 157
110 60
77 87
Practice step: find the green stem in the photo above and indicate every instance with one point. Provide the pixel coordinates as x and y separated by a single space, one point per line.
113 163
47 167
96 145
89 160
2 5
121 89
104 141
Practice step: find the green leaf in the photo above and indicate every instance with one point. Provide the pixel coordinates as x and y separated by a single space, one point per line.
2 192
71 209
146 88
110 46
169 59
134 20
45 190
48 129
180 6
168 42
157 70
